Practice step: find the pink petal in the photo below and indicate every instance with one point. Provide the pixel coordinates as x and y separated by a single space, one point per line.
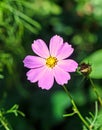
33 62
65 51
35 74
47 80
68 65
55 44
40 48
61 76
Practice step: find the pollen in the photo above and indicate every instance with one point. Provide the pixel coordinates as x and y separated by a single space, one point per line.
51 61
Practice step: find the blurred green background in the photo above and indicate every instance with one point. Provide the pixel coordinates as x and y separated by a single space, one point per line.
79 22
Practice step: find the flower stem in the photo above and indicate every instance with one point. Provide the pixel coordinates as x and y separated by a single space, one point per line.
95 90
75 109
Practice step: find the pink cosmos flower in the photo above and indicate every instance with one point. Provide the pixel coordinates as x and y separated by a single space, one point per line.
50 63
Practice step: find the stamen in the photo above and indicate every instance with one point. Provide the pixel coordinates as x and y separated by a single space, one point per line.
51 61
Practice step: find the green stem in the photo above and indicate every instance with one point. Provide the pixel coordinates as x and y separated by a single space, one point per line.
4 122
69 114
95 90
75 108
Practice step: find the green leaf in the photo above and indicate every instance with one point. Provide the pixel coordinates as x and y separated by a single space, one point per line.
1 76
60 102
95 60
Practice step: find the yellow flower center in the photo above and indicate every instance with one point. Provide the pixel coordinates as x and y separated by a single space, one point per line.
51 61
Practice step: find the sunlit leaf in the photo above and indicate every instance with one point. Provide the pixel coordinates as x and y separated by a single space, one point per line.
60 102
95 59
1 76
